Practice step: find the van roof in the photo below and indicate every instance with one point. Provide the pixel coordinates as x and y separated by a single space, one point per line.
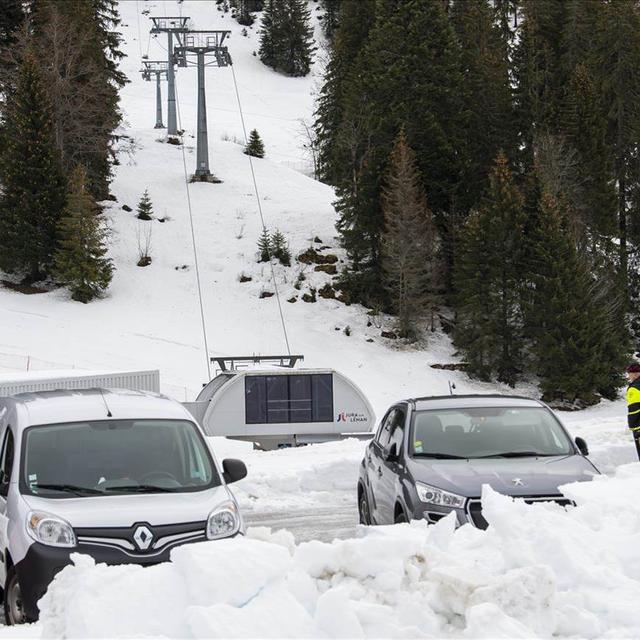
74 405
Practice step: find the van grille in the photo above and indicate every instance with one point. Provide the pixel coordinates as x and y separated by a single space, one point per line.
474 507
123 538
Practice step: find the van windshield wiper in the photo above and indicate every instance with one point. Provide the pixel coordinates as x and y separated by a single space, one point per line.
140 488
440 456
518 454
68 488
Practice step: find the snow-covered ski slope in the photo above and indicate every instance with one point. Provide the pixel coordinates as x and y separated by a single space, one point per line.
538 571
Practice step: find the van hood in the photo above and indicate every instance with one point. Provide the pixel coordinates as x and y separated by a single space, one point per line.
125 511
510 476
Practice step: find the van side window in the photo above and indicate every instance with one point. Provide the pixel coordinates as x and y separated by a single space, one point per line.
6 464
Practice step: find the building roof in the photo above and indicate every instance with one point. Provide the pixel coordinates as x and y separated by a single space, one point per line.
75 405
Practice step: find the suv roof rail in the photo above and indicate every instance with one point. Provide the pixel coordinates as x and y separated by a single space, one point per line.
471 395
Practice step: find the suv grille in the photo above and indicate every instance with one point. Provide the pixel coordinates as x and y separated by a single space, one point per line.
474 507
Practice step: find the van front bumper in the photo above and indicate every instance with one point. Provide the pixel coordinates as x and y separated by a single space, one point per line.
41 563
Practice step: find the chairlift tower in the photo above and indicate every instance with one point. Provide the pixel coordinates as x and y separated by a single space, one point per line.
159 69
210 51
172 26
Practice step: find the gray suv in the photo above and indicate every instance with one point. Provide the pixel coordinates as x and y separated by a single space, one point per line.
431 456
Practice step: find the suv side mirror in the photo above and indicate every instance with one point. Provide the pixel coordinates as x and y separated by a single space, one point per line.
391 453
234 470
4 485
582 446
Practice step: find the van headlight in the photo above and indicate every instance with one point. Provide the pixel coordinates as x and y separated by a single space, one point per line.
223 521
50 530
433 495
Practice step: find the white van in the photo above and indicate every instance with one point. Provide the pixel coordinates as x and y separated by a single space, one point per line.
123 476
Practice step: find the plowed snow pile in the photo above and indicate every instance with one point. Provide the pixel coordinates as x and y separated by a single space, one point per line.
538 570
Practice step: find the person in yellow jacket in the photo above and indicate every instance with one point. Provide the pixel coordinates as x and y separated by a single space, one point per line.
633 403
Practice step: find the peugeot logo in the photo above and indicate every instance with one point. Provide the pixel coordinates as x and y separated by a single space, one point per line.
143 537
517 482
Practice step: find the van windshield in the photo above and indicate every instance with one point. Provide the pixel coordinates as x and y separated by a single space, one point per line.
488 432
115 457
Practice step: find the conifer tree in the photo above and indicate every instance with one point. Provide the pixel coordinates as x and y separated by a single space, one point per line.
487 91
31 175
265 247
407 73
254 146
578 335
490 279
330 19
356 19
409 246
279 248
286 42
618 53
80 261
145 207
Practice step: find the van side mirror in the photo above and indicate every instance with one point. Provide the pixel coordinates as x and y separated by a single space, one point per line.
391 453
233 470
582 446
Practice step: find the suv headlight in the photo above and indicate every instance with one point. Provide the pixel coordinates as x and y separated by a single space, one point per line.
433 495
223 521
50 530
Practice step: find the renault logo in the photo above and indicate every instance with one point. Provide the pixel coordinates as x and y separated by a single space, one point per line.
517 482
143 537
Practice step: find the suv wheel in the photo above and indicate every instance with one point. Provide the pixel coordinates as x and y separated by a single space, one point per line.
13 609
363 509
400 517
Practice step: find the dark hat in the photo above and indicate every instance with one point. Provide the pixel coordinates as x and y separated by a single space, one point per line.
634 367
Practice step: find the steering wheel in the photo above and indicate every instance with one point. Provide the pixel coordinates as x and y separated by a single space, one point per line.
159 475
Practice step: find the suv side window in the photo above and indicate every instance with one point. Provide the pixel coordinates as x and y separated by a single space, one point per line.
385 429
397 433
6 457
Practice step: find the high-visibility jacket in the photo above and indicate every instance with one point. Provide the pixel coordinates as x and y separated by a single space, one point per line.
633 403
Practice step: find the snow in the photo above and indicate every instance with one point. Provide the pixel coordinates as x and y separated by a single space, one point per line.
539 570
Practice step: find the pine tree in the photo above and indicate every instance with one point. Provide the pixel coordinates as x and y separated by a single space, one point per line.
356 19
80 261
280 249
286 42
254 146
409 245
145 207
78 47
578 336
617 55
490 279
264 246
31 175
487 91
331 17
408 73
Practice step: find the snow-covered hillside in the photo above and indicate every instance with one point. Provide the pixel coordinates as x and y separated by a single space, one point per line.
392 581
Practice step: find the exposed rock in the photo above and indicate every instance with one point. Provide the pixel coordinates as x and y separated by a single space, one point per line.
267 294
389 334
244 278
127 208
451 366
327 291
326 268
293 299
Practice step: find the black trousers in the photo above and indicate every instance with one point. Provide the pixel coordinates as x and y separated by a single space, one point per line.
636 439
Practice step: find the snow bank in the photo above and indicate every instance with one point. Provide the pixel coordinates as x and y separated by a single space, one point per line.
539 570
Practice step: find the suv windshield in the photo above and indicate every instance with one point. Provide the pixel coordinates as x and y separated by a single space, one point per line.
115 457
487 432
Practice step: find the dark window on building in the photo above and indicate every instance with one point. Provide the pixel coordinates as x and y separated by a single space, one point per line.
289 398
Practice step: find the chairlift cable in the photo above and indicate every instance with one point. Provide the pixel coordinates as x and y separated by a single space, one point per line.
139 31
193 235
264 227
